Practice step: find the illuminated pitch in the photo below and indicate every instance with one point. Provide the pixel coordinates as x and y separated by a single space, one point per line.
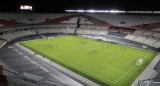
105 63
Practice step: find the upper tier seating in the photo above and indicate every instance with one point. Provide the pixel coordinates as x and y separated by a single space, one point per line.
71 20
128 20
29 18
85 21
55 30
137 26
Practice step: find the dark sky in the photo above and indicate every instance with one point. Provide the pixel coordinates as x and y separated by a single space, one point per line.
54 6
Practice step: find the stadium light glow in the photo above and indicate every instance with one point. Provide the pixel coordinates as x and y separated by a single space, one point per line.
90 11
116 11
70 10
156 11
111 11
96 11
80 10
100 11
106 11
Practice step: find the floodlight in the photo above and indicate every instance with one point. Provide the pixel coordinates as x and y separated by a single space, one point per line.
99 11
80 10
70 10
90 11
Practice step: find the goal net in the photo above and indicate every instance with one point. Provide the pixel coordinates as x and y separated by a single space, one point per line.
139 62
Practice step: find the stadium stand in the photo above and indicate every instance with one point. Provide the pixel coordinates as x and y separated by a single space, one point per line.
140 28
103 32
148 33
150 41
156 34
116 34
140 38
27 18
138 31
87 31
157 29
95 32
157 43
10 23
85 21
128 20
80 31
130 37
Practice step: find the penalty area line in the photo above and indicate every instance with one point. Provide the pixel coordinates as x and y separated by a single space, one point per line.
125 74
129 61
86 70
112 58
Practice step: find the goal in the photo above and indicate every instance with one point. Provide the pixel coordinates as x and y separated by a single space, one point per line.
139 62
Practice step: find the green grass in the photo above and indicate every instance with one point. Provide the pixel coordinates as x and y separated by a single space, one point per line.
113 65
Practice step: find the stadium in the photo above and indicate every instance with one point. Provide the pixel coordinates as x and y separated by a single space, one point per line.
79 48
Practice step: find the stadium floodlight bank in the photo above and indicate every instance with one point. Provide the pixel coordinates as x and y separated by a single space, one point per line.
112 11
96 11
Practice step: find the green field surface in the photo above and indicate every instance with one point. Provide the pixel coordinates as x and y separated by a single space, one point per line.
105 63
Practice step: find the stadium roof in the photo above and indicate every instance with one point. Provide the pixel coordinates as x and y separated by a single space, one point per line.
62 5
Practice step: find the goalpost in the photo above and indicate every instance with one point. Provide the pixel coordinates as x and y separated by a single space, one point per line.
139 62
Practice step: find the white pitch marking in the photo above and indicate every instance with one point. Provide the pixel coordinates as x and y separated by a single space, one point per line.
114 69
129 61
87 71
134 53
128 71
107 61
111 59
124 74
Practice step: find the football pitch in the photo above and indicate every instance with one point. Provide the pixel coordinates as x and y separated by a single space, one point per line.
105 63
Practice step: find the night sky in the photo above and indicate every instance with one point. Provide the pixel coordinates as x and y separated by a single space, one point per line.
59 6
